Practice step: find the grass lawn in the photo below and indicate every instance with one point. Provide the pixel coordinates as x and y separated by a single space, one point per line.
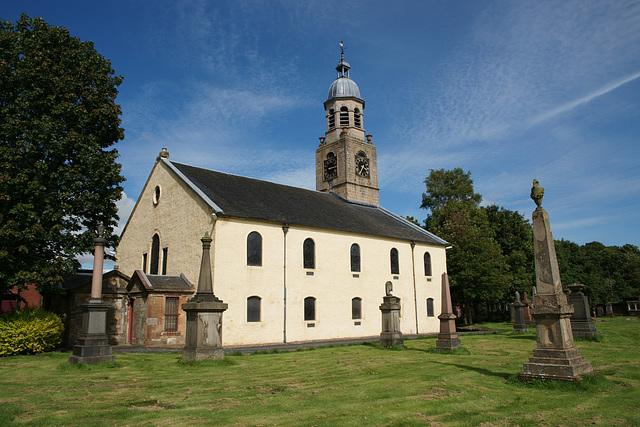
336 386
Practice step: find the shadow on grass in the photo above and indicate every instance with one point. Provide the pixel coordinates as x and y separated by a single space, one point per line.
521 337
482 371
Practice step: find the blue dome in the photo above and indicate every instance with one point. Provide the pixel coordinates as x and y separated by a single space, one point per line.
343 87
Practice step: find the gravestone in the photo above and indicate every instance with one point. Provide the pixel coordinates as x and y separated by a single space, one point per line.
203 338
92 346
519 326
526 310
390 307
581 323
448 336
555 356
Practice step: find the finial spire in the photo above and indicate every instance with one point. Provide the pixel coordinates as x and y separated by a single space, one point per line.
343 66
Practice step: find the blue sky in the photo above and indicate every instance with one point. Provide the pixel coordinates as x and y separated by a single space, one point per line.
508 90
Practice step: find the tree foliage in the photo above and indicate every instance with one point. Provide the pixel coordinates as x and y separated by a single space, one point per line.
445 186
58 172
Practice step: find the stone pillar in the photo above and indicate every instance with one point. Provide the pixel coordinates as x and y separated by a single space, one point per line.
92 346
555 356
581 323
448 336
203 338
390 307
519 325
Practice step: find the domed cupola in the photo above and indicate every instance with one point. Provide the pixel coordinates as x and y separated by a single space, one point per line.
343 86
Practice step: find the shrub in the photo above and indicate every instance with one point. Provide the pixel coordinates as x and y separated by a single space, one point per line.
29 331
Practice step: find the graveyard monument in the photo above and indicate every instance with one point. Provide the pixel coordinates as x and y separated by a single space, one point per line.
555 356
203 339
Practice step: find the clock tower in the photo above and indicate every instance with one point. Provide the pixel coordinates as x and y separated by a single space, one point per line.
346 161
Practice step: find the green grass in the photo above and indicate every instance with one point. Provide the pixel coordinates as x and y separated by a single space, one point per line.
341 385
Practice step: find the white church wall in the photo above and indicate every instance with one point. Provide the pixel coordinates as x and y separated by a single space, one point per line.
332 283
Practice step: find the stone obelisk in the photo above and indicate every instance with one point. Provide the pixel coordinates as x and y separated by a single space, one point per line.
93 346
203 338
448 336
555 356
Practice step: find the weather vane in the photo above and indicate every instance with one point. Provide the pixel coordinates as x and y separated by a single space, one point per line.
342 48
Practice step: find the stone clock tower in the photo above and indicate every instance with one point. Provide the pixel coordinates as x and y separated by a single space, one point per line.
346 162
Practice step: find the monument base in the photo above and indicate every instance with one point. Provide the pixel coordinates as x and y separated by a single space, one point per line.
558 364
93 346
202 353
389 339
92 350
446 343
203 338
583 329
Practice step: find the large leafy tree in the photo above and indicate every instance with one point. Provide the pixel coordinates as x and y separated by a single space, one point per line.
479 274
58 172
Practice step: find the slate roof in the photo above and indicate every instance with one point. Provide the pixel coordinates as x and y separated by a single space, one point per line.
242 197
161 283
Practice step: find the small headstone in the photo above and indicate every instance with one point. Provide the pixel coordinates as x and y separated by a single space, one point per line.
581 323
526 310
519 326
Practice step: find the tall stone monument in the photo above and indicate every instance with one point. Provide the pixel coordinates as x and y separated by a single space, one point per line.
390 307
203 339
93 346
581 323
519 325
448 336
555 356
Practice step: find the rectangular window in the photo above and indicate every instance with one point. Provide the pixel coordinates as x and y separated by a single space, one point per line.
171 315
309 308
144 263
165 253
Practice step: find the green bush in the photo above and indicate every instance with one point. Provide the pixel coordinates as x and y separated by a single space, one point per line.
29 331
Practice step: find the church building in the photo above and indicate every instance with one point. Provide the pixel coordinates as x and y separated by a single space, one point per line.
292 264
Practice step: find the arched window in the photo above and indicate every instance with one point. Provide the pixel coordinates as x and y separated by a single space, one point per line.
309 254
427 264
254 249
309 308
253 309
356 308
332 119
395 263
355 257
344 117
430 307
155 254
356 118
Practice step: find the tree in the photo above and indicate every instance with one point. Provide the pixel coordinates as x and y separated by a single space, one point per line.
58 172
444 186
514 234
478 271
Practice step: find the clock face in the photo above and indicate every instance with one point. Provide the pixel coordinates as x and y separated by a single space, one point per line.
362 166
330 168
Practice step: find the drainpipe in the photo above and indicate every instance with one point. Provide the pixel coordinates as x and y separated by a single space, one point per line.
413 268
285 230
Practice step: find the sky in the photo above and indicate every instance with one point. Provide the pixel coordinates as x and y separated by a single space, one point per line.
509 91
